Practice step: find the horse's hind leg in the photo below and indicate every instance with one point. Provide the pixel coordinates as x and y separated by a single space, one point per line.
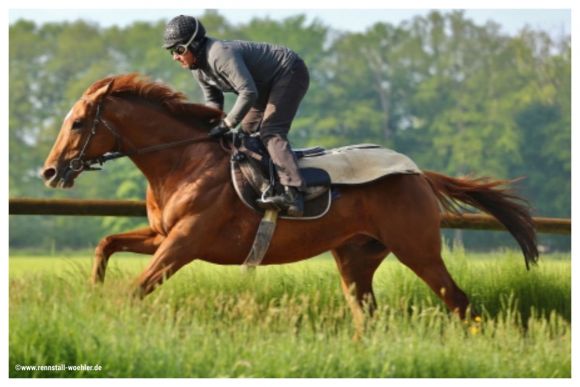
432 270
420 250
357 261
413 234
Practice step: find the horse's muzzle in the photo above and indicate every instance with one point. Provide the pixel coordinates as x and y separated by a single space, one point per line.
58 177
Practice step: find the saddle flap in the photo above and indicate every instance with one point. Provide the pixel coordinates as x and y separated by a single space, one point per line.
315 177
249 183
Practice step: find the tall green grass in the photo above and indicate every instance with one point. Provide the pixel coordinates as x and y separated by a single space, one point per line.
289 321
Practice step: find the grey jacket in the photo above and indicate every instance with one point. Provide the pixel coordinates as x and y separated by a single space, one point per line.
245 68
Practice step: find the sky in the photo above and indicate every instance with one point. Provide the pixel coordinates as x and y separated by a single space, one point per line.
557 22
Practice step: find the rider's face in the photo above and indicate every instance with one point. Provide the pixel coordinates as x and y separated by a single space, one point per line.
185 60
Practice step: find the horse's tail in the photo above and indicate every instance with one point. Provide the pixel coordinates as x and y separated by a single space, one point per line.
485 194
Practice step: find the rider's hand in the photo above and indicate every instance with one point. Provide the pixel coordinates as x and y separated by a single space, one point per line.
219 130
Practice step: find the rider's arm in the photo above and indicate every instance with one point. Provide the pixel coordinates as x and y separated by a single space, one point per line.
213 96
232 67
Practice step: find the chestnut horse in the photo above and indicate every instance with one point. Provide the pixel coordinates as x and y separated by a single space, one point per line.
194 212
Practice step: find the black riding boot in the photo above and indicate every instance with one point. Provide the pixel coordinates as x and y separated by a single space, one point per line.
291 200
295 200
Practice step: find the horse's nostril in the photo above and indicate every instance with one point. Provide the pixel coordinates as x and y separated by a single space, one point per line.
48 173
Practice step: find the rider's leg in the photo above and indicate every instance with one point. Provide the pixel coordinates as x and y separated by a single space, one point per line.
292 199
284 99
252 120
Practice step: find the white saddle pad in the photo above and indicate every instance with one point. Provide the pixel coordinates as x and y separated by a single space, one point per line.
358 164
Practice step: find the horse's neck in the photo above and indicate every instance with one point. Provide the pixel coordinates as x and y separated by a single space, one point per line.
190 162
148 128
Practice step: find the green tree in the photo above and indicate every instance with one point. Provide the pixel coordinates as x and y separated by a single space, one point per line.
456 96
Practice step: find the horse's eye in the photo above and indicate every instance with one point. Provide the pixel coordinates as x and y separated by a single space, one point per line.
78 124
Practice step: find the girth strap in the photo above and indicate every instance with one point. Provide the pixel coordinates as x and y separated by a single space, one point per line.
262 240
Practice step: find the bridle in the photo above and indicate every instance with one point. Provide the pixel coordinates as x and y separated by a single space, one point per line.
79 163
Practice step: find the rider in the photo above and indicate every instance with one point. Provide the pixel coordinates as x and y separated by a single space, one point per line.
270 82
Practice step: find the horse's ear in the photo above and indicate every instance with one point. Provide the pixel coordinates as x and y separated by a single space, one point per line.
102 91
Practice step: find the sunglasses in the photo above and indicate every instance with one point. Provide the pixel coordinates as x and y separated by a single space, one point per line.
181 49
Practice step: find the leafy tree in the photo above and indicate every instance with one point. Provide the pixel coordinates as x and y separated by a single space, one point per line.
457 97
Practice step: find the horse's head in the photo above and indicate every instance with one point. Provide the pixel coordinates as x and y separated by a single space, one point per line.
83 136
101 122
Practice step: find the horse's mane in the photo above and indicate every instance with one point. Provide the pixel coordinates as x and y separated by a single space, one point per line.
157 93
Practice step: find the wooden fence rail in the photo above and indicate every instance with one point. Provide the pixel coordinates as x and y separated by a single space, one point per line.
27 206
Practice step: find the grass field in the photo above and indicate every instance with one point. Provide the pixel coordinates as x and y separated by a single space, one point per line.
288 321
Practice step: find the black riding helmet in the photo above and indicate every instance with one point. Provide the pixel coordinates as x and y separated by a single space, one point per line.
184 30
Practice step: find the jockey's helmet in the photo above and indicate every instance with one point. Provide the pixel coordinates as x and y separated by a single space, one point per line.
185 31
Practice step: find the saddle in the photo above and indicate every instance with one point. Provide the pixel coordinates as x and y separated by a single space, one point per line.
323 171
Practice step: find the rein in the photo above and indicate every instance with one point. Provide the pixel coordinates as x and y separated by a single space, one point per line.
79 163
154 148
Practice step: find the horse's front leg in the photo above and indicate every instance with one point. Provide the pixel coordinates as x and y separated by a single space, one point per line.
175 251
142 241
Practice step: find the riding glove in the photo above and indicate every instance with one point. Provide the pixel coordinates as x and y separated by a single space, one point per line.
219 130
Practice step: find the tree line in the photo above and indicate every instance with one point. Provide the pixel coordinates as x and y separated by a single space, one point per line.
457 97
